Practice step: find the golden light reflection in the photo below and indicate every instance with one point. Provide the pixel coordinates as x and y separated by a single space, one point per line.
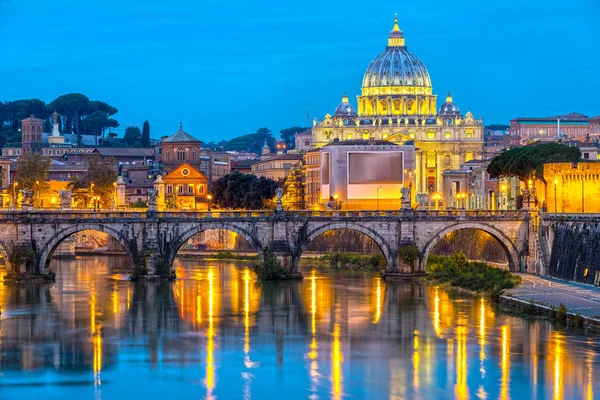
461 388
128 296
558 365
336 361
589 362
247 362
312 355
210 361
505 362
482 337
378 300
436 313
115 298
198 303
416 361
96 337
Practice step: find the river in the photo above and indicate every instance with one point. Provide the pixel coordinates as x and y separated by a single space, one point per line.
217 333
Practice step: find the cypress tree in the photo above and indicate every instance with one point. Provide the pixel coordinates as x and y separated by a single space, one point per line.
146 134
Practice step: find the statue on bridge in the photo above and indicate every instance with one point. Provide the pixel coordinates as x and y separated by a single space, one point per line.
279 196
152 194
406 197
27 199
65 199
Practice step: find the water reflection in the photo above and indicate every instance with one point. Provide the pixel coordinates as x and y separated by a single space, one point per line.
217 333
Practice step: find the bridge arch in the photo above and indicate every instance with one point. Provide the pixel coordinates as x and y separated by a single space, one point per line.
183 237
384 246
512 254
46 250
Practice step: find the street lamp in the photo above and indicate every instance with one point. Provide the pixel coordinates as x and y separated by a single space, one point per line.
209 197
335 201
15 194
378 190
555 183
53 201
530 185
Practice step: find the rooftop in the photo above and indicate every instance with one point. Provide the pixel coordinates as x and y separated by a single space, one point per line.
124 152
180 137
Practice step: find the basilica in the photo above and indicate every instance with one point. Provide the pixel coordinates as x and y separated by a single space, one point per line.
397 105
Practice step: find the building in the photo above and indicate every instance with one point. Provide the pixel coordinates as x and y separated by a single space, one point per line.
181 147
312 181
242 166
303 140
572 126
365 174
397 104
31 135
571 187
186 188
276 167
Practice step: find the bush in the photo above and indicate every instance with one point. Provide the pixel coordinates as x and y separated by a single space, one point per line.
561 313
458 271
409 253
352 260
270 269
162 269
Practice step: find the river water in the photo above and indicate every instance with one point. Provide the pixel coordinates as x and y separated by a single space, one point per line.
217 333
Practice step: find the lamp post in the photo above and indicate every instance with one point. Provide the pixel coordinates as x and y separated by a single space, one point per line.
555 183
437 197
504 200
15 194
378 190
530 186
209 197
335 201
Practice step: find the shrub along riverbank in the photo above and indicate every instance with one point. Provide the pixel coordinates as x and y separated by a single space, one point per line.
353 261
477 277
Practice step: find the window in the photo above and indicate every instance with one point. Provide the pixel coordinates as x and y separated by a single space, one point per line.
179 189
430 135
448 135
586 156
167 155
190 189
412 135
169 189
201 189
468 156
469 133
194 155
180 155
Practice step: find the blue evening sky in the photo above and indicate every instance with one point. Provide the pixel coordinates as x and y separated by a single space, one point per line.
226 68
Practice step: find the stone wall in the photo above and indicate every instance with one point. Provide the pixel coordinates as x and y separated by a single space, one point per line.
575 252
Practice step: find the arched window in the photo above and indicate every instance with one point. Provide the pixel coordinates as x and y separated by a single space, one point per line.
167 155
169 189
468 156
194 155
180 155
179 189
190 189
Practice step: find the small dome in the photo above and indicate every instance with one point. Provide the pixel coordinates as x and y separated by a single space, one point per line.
449 108
345 109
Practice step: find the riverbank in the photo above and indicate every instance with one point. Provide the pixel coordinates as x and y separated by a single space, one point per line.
474 277
540 295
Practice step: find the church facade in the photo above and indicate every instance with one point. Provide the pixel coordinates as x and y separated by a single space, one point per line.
397 104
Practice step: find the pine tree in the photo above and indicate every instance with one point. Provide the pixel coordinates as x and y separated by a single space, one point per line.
146 134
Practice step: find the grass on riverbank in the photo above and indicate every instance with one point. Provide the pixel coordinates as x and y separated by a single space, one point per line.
478 277
353 261
228 255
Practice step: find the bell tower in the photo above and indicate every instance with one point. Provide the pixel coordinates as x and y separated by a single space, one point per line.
31 135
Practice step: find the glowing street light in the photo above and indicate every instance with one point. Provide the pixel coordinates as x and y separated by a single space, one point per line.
209 197
437 197
555 183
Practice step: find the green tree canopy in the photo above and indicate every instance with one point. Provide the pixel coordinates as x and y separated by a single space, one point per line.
252 142
146 134
97 122
243 191
289 135
523 161
497 127
32 174
73 104
102 173
132 135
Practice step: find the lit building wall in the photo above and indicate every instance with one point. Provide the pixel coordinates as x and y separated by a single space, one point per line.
572 187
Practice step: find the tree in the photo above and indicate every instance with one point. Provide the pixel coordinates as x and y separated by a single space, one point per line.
497 127
243 191
523 161
289 135
132 135
32 174
97 122
146 134
72 104
252 142
98 181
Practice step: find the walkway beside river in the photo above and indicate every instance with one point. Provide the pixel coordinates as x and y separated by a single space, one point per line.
577 297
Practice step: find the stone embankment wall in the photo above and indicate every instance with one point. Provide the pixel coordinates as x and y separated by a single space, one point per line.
576 252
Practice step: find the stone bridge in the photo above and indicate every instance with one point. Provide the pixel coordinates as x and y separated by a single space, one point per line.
151 236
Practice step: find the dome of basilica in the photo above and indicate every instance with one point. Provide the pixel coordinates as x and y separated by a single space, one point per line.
449 108
396 66
345 109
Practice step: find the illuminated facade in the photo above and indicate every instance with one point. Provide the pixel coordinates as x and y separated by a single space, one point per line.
397 104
